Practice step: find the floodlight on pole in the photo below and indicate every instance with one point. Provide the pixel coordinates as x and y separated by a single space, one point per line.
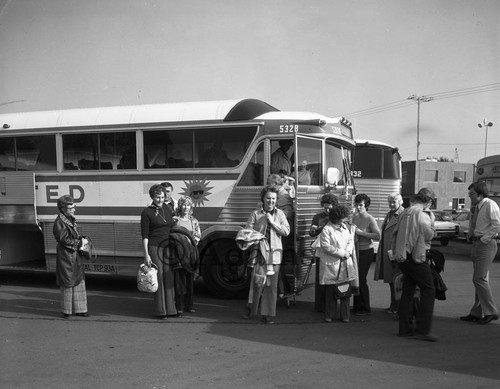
485 124
418 100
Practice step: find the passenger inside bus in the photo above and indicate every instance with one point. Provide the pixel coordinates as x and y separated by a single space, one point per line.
216 156
280 161
304 175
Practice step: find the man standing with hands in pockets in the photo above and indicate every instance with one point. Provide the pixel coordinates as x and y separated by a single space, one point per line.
483 229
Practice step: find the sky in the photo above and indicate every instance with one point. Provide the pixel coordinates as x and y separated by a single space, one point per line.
360 59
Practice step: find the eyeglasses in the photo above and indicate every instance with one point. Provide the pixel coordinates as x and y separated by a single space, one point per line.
71 207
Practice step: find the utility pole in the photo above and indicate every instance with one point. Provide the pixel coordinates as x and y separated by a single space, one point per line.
418 100
485 124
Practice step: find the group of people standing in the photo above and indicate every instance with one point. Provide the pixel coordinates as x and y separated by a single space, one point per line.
343 247
175 257
170 235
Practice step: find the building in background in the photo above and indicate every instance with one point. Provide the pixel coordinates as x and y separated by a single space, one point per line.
449 180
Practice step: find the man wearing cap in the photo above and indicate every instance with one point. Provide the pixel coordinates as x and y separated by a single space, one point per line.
411 241
483 229
280 161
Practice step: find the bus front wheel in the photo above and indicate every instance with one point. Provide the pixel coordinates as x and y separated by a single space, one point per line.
224 269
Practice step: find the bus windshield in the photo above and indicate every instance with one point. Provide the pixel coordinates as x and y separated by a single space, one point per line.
310 168
376 162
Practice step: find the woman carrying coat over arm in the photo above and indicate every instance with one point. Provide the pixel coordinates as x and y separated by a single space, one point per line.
70 275
271 222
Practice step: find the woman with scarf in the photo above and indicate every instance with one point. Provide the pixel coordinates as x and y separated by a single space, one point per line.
156 223
70 275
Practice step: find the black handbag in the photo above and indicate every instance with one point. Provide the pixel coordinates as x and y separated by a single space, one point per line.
342 290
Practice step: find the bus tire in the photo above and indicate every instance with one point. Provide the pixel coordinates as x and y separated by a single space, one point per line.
224 269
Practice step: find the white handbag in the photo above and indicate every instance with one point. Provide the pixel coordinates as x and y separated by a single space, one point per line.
147 278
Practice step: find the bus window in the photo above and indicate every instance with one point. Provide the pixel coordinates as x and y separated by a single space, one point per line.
335 159
367 162
7 154
33 153
222 147
391 164
310 168
254 173
80 151
282 156
169 149
113 147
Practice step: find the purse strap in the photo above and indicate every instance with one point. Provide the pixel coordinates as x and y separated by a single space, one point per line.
340 266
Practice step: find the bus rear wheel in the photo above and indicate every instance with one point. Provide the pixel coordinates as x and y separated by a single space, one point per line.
224 269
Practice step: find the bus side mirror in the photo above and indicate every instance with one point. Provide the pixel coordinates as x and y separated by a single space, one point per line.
332 176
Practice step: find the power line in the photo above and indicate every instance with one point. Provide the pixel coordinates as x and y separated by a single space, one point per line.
436 96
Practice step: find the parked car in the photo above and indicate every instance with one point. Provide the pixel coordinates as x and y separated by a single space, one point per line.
445 230
462 220
455 212
446 215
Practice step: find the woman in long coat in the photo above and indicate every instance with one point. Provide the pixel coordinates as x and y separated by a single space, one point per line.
271 222
336 263
385 269
70 275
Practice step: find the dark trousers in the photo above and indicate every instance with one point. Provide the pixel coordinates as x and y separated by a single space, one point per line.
184 290
362 301
332 310
319 290
416 274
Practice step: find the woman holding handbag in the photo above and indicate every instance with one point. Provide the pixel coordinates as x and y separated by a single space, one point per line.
156 223
337 269
70 275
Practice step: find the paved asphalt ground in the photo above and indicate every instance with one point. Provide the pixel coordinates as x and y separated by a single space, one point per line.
123 346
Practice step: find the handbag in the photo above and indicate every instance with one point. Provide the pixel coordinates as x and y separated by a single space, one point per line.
87 249
147 278
259 275
342 290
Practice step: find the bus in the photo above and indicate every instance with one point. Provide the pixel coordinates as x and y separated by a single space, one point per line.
216 152
488 169
377 173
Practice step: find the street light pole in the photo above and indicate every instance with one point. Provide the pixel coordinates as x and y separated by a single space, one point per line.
485 124
418 100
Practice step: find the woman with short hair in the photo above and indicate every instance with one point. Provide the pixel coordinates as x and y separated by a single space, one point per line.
367 231
156 223
70 275
271 222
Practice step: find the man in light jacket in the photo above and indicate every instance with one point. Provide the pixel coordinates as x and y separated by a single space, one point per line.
411 241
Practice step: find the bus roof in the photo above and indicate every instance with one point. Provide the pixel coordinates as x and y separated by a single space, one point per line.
489 159
366 142
224 110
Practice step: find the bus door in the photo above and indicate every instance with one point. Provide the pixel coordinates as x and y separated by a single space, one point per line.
310 175
20 236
